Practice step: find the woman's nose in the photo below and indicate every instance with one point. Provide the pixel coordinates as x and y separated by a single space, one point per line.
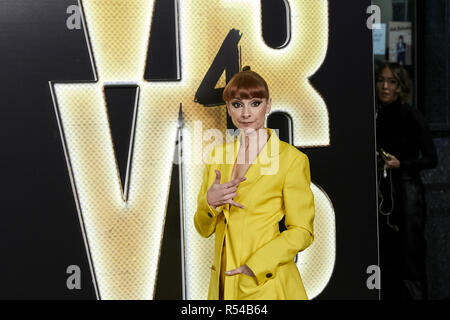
246 112
385 84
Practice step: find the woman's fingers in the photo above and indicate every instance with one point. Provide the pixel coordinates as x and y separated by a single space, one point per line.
224 193
217 180
234 271
228 199
228 190
234 182
230 196
242 269
233 203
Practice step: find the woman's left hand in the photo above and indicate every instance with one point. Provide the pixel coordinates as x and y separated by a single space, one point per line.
243 269
392 162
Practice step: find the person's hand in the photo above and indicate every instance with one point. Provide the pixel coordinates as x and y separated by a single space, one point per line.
392 162
242 269
219 194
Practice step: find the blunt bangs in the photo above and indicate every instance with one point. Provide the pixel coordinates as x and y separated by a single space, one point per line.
246 85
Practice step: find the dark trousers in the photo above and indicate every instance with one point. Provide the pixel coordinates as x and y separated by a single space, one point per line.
402 237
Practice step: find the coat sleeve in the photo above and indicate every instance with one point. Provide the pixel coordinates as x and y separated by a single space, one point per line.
205 217
299 210
428 156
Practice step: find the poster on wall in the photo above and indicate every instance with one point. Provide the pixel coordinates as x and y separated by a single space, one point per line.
400 42
379 39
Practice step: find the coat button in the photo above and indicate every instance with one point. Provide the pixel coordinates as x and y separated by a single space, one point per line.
268 275
209 214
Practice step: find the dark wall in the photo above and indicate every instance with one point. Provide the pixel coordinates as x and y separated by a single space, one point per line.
434 86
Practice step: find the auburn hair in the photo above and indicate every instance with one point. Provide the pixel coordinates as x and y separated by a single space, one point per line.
246 84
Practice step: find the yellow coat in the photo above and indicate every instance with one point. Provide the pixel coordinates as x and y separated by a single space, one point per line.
252 234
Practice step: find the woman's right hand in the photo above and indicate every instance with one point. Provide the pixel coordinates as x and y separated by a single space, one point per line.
220 194
392 162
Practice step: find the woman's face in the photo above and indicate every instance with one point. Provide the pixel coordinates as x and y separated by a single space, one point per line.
387 86
248 115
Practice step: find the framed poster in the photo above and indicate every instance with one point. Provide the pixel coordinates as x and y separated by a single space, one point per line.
400 42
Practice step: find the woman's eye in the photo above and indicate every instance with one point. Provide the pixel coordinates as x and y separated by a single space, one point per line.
236 104
256 103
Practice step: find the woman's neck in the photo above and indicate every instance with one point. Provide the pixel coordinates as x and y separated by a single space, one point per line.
254 138
395 102
252 144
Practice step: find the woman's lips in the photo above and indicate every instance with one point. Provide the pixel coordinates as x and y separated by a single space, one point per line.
246 123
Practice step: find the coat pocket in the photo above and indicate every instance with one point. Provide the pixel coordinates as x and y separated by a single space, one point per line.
247 287
246 281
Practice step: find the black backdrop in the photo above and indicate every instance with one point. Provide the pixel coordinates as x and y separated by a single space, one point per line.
40 234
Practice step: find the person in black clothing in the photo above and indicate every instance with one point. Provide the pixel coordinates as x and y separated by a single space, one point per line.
401 50
404 147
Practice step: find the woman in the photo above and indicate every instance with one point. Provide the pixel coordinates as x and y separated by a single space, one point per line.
243 201
405 147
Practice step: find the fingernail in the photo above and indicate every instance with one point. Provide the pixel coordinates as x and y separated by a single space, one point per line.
227 272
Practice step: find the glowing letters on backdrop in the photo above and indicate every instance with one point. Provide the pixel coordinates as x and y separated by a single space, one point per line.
123 238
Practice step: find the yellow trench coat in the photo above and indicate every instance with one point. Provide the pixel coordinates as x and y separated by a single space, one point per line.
252 235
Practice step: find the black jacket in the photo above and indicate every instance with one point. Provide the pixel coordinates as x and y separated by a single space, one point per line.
403 132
